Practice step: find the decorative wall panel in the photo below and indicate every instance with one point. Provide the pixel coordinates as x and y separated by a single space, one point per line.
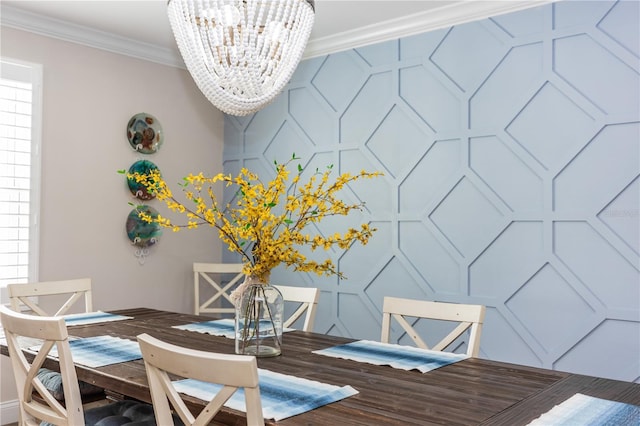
511 153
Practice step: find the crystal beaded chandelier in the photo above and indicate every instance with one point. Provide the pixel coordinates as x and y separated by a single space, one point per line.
241 53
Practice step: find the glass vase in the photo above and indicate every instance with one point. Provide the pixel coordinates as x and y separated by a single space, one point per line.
258 320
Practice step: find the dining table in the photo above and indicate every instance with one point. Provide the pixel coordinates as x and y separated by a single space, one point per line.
472 391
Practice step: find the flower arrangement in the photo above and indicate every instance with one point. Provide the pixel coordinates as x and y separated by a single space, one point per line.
266 222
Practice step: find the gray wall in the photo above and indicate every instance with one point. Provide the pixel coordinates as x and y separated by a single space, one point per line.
510 148
89 95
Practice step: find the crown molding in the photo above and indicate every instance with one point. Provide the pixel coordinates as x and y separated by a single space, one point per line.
444 17
63 30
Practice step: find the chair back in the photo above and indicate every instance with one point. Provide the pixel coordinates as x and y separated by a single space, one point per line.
469 317
76 289
231 371
214 274
52 331
306 299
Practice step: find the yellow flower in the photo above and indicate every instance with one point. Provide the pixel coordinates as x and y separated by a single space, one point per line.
266 221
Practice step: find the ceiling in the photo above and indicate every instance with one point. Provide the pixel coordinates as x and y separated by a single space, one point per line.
339 24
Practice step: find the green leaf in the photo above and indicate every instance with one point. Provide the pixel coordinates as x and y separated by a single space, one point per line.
122 171
299 168
288 221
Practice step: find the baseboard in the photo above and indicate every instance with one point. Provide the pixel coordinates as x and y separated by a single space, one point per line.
9 412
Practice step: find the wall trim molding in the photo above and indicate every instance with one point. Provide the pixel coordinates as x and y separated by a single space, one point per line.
9 411
13 17
446 16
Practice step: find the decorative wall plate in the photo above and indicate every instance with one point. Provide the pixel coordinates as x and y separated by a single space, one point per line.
142 167
145 133
141 233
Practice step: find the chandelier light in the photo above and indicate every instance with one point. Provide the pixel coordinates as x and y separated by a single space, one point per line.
241 53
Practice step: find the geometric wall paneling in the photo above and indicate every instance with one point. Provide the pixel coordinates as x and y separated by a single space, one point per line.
418 86
622 215
569 14
398 273
501 169
288 140
430 258
594 261
541 127
510 149
468 53
368 107
504 340
490 276
377 194
604 342
380 54
468 218
352 310
397 141
338 92
595 72
620 29
361 264
507 86
234 128
523 24
567 307
439 167
313 116
615 149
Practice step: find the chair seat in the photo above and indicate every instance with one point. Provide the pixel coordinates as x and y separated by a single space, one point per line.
124 413
120 413
52 380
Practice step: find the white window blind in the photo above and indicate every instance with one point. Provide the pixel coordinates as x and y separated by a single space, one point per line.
20 94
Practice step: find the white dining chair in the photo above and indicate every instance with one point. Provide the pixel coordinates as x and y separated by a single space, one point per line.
26 295
233 372
52 332
59 297
305 299
222 278
469 317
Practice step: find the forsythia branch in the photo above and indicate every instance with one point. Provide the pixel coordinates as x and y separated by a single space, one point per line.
264 223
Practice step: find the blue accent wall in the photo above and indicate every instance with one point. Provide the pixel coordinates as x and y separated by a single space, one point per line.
511 153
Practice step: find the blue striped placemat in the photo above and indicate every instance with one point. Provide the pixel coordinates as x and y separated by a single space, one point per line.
222 327
282 395
99 351
587 410
397 356
92 318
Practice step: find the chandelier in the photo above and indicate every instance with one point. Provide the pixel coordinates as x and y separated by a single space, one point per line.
241 53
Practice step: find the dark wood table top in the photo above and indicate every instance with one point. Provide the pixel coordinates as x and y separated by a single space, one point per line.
471 392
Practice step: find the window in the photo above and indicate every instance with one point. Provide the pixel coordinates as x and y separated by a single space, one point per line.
20 112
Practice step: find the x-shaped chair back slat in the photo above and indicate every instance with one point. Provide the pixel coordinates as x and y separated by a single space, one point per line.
75 290
50 332
307 300
163 359
469 317
214 274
